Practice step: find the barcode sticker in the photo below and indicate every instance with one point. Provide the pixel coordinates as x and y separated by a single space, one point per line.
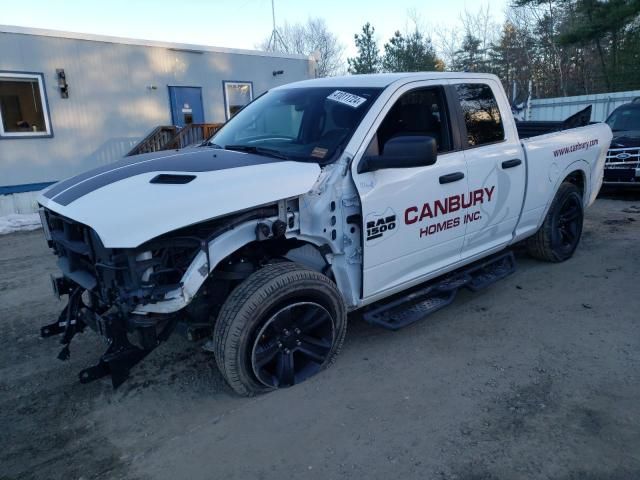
345 98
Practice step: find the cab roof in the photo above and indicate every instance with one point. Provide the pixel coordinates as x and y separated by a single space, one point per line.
382 80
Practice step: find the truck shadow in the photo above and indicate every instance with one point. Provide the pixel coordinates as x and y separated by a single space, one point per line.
629 194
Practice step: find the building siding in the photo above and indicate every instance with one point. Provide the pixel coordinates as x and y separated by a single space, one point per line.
563 107
111 106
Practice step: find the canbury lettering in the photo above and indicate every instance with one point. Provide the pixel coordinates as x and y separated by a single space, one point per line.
426 212
454 203
411 215
447 205
489 192
440 207
467 204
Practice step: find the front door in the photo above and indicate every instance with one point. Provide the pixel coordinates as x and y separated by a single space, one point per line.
186 105
497 174
413 217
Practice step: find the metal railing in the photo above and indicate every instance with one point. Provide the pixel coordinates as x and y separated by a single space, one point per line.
168 137
155 141
192 134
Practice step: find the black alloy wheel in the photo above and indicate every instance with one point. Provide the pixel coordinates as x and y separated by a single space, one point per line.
558 237
293 345
566 234
282 325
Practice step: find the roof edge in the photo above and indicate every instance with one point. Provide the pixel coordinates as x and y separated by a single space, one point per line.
186 47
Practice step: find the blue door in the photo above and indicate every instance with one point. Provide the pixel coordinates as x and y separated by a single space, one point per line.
186 105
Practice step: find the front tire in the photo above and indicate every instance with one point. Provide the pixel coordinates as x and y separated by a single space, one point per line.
282 325
560 233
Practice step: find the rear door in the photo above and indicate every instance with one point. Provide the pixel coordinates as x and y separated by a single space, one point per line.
412 216
186 105
496 166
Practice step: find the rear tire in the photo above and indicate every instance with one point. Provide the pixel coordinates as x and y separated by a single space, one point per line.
282 325
559 235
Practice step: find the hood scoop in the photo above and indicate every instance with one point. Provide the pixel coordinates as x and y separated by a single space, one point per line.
172 179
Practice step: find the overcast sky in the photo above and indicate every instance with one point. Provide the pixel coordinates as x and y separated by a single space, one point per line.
230 23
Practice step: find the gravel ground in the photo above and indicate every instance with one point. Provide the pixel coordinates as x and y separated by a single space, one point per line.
535 377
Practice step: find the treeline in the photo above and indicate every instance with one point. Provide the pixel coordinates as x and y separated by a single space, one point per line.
570 47
561 47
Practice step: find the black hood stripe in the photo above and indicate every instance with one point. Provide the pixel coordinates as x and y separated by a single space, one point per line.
202 160
70 182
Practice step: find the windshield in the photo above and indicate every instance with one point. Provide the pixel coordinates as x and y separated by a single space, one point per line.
306 124
624 119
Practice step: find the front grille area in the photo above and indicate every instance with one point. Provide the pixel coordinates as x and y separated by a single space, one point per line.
622 166
73 243
131 276
623 158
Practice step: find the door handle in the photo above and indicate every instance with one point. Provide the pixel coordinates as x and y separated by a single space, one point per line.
511 163
451 177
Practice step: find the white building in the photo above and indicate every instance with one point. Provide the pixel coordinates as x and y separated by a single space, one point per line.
70 102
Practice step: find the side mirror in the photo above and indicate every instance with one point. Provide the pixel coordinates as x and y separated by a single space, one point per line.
402 152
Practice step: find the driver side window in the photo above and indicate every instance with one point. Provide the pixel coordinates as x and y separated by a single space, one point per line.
418 112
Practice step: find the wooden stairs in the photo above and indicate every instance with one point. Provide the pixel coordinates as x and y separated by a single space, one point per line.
169 137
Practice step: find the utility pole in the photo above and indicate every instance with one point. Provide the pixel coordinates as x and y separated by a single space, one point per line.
275 38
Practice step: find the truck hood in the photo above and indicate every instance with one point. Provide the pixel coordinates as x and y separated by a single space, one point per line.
626 139
139 198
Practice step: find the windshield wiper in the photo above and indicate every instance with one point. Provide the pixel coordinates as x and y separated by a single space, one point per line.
209 143
267 152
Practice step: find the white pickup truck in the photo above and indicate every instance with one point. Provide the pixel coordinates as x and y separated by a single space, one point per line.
380 193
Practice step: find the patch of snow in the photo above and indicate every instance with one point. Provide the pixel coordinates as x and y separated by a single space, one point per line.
16 222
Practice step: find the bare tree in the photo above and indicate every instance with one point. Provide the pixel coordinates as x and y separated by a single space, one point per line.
481 26
311 38
544 15
447 41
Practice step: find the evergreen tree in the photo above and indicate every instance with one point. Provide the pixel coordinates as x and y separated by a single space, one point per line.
510 59
368 59
470 56
601 24
410 53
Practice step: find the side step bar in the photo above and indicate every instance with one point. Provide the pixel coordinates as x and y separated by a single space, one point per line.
418 304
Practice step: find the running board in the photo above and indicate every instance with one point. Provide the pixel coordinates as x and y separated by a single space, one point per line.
418 304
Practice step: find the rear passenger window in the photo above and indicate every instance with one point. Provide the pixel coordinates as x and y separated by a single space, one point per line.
481 114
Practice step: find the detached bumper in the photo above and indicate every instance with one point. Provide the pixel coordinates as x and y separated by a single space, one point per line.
114 325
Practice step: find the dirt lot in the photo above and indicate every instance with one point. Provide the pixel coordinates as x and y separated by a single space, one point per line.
536 377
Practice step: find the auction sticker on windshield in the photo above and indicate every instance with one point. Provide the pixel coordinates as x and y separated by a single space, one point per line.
345 98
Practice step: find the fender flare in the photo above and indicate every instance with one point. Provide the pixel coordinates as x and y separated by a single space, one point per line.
581 166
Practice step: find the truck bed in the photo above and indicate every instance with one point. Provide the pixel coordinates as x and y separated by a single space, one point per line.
550 158
537 128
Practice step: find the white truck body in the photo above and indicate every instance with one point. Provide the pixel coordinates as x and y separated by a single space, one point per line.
378 232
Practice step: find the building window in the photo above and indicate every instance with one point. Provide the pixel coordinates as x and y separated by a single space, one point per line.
23 106
481 114
236 96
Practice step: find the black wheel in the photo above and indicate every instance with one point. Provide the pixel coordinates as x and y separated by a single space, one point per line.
559 235
282 325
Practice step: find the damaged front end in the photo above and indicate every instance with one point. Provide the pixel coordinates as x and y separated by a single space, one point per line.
104 287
